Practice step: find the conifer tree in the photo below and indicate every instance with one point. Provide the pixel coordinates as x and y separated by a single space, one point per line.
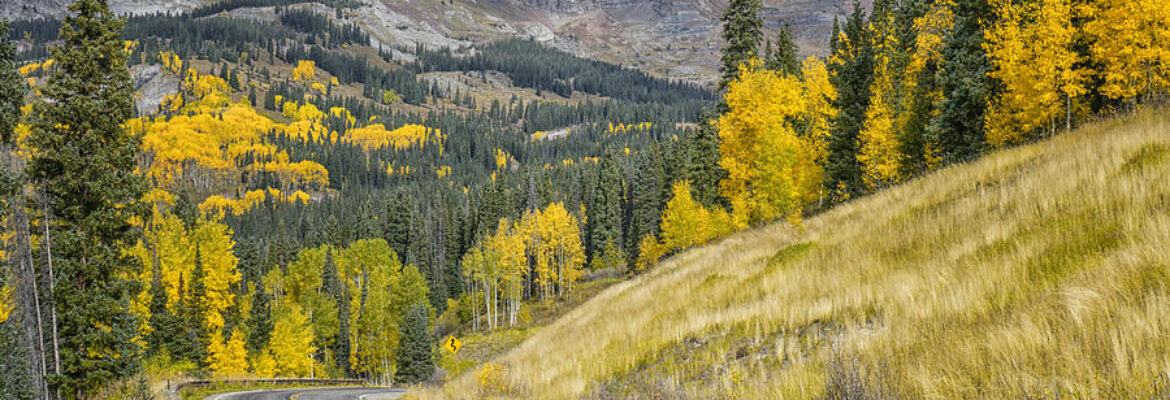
162 322
852 73
702 164
399 222
16 381
605 209
195 312
958 126
186 211
416 354
334 291
11 88
784 58
743 28
646 203
84 160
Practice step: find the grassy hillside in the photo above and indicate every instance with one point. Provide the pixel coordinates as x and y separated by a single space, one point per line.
1040 271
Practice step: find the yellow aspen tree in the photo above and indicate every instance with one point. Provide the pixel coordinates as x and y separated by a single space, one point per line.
304 71
375 331
291 345
880 152
227 358
560 255
1131 42
684 221
920 94
6 303
214 239
1031 50
513 263
650 250
760 148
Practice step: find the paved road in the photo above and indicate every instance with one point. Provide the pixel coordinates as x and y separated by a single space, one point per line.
313 394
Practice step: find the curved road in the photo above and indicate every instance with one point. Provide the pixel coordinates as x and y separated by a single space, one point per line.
352 393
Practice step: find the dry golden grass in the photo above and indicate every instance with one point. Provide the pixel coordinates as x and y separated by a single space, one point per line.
1039 271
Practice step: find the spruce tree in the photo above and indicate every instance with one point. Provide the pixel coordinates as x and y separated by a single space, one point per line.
743 28
783 58
415 352
399 222
958 127
195 311
162 321
852 75
84 161
11 89
16 381
646 201
335 291
702 164
260 322
605 209
186 210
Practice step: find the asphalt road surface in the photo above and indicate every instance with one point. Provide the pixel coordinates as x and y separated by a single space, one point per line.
355 393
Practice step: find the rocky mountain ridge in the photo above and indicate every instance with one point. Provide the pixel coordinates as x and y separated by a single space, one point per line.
678 39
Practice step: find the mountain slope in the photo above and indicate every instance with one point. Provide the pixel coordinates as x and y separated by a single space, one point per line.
1037 271
679 39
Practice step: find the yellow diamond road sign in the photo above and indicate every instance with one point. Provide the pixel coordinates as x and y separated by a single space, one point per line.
452 344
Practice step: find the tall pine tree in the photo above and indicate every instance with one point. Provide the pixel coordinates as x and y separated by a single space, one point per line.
11 89
605 208
702 164
743 28
783 58
84 161
958 127
415 353
852 72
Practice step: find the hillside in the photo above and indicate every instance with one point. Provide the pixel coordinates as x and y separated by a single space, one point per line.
676 39
1038 271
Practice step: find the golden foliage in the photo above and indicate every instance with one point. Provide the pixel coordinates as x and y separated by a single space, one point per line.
375 137
772 165
1131 42
305 71
227 358
880 150
291 345
686 223
1031 47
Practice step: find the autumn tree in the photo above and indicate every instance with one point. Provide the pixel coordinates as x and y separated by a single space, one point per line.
880 148
291 348
1129 41
1031 47
228 358
374 269
557 250
84 161
771 159
685 222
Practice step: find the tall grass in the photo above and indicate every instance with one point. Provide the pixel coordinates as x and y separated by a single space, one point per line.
1040 271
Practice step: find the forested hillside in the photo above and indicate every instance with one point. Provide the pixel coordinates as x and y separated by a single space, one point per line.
264 193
